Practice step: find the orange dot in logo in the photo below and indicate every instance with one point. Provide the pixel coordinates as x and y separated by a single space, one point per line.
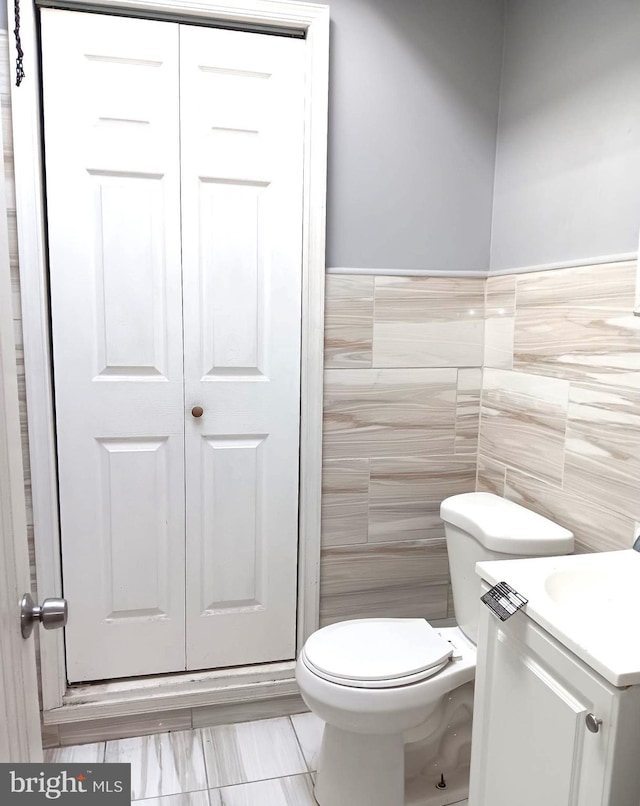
81 777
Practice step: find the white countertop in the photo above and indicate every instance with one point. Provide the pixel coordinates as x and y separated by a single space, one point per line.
588 602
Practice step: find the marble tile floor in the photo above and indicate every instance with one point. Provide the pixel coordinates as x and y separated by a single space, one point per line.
265 763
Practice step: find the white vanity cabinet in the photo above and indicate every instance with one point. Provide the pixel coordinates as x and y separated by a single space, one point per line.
547 729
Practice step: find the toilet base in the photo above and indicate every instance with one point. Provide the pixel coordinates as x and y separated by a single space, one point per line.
378 760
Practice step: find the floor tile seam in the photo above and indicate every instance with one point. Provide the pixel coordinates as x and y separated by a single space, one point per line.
261 780
218 788
200 734
207 787
295 733
235 745
212 787
172 795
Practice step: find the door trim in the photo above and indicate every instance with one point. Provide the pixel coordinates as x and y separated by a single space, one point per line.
20 738
311 19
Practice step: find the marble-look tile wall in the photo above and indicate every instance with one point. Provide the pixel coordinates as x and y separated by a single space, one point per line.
403 371
560 422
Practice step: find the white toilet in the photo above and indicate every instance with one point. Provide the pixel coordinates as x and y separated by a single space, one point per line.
375 681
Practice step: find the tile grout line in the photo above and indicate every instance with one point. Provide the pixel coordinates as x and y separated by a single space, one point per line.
373 322
305 771
200 732
368 460
456 410
299 743
262 780
172 795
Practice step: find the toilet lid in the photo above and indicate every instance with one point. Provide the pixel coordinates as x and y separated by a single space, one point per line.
377 653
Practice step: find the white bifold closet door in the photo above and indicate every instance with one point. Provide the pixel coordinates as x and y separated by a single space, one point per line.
242 133
174 192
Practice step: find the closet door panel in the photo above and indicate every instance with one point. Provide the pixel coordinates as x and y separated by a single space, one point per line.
233 289
242 105
232 570
111 106
132 323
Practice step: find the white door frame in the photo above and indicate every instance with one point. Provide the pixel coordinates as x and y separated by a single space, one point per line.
20 738
309 18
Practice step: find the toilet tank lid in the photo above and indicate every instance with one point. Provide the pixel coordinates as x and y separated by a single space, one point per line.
504 526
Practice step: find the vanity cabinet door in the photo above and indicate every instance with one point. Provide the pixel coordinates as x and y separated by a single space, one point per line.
531 744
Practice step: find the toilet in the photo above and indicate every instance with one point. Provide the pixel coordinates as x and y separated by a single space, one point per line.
377 681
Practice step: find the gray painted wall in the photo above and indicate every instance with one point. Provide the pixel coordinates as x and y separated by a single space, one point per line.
414 97
412 131
413 119
568 159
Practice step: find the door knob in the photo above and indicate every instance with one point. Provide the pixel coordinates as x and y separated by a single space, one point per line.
52 614
593 723
197 411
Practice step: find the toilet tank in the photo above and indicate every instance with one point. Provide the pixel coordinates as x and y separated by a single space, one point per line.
483 526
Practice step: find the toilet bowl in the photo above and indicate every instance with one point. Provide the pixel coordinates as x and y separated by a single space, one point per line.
376 682
368 768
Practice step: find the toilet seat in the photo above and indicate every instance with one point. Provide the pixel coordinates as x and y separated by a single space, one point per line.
376 653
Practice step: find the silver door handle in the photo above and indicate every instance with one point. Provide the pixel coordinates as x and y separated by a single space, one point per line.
52 614
593 723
